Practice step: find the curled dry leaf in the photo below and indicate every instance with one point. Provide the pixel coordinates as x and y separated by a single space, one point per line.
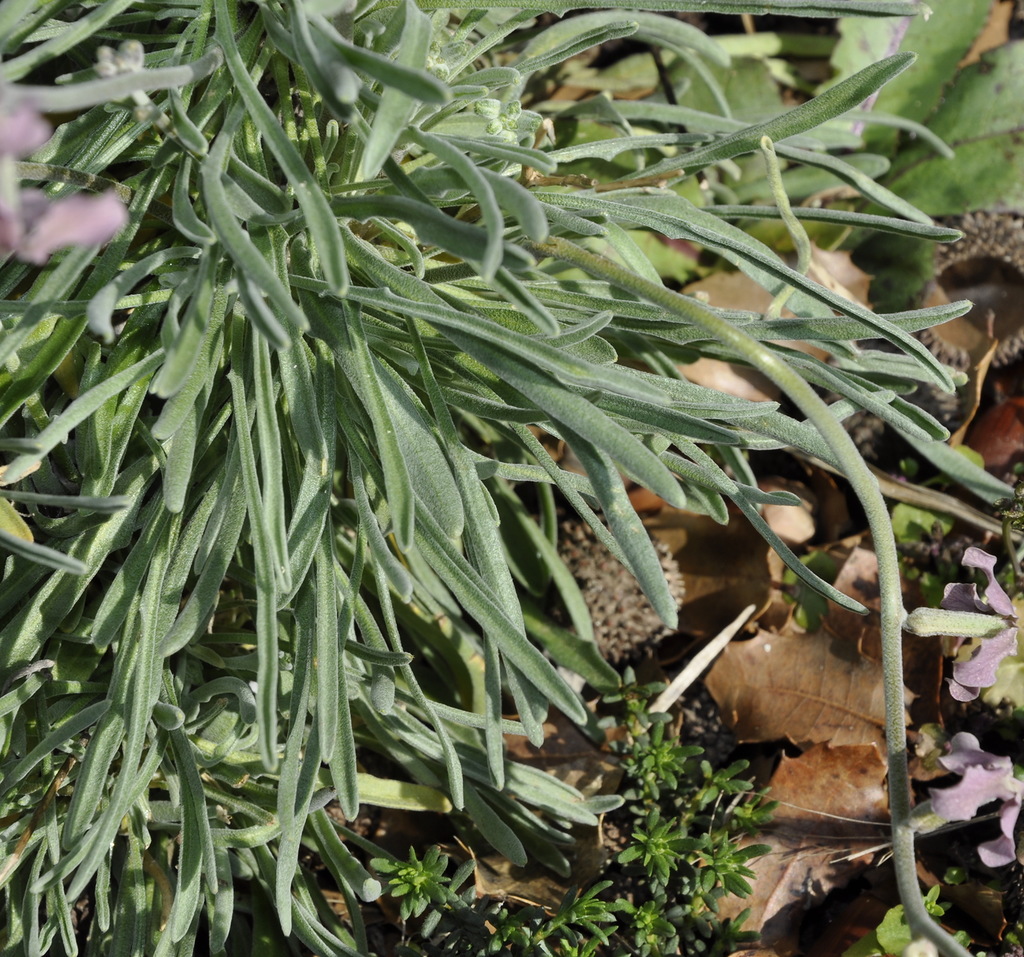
723 569
732 379
836 271
998 437
807 688
794 524
829 827
995 34
731 290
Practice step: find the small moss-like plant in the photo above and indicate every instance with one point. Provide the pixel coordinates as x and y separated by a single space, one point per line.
257 446
684 820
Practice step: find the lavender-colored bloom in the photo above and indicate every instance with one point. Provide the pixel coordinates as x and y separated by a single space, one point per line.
22 131
965 597
41 227
979 671
78 220
985 777
33 227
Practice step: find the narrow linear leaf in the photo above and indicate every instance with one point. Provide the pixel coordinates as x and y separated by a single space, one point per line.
323 226
826 106
76 413
16 544
397 106
362 371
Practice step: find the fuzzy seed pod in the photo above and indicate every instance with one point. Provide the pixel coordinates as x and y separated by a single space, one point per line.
987 267
625 625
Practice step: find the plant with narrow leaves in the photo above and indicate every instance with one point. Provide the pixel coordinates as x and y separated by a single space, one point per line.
658 846
418 883
258 446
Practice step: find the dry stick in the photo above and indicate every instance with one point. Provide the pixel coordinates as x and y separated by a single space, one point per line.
700 661
928 498
51 792
865 486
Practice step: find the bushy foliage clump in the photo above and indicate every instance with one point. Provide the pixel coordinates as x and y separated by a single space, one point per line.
267 450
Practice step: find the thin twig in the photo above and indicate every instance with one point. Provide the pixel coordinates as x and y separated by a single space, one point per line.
11 864
700 661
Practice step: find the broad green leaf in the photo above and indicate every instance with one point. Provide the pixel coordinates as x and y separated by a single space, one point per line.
825 106
941 40
987 168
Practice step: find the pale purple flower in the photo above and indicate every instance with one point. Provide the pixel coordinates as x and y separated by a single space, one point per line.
41 227
984 778
22 131
979 671
33 227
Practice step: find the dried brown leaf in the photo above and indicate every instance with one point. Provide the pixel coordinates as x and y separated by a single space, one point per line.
995 33
794 524
836 272
922 657
826 830
724 568
807 688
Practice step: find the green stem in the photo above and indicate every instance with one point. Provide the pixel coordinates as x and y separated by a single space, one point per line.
866 488
1011 550
797 233
48 173
81 96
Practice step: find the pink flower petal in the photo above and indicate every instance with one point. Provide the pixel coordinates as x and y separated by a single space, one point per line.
977 787
979 671
76 221
997 599
34 206
1003 850
985 777
960 597
965 752
11 230
961 692
22 131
